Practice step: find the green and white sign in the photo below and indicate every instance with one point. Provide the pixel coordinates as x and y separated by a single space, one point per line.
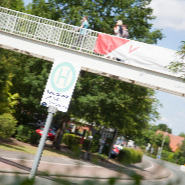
60 85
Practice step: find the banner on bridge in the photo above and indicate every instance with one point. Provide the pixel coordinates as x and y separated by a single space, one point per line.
136 53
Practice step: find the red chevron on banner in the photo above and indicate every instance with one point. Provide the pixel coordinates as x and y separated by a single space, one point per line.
107 43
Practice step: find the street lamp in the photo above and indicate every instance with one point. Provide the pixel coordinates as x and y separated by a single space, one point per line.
162 145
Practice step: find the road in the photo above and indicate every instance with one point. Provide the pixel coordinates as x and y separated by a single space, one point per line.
177 177
79 170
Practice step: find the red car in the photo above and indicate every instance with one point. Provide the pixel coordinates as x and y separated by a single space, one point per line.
115 151
51 133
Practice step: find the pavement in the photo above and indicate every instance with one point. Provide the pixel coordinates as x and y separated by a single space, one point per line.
67 168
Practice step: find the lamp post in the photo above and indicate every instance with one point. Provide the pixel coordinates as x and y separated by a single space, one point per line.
161 148
162 145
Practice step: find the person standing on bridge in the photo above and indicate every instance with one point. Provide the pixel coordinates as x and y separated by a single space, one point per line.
84 25
125 33
83 31
118 29
121 30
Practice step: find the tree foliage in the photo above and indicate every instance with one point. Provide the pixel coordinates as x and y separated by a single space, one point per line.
162 127
7 125
96 99
180 153
25 87
47 10
113 103
13 4
179 65
8 99
104 13
182 134
149 136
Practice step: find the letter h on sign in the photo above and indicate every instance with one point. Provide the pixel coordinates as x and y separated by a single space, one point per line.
62 76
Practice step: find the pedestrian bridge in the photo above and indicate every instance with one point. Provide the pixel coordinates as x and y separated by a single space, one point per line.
122 59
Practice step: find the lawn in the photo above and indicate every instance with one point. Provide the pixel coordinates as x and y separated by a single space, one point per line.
17 146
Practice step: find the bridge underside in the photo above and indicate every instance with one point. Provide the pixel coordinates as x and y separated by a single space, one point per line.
94 64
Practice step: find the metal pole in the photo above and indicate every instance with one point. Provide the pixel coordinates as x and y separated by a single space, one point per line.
114 139
160 153
51 111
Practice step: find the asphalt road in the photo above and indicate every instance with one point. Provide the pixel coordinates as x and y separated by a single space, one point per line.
82 172
177 177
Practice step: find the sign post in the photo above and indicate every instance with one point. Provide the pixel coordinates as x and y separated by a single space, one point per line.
57 96
51 111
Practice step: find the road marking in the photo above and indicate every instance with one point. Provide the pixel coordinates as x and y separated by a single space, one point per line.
150 166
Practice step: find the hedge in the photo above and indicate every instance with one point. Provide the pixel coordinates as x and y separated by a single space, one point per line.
71 140
27 134
130 156
169 156
87 144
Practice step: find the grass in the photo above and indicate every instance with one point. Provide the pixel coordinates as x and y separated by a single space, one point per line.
31 149
48 151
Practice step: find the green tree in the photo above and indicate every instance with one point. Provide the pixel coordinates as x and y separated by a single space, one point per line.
104 13
8 100
179 65
162 127
180 153
13 4
47 10
159 138
182 134
7 125
114 103
22 84
29 83
149 136
146 136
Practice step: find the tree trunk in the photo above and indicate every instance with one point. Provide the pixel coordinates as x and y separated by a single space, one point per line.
59 135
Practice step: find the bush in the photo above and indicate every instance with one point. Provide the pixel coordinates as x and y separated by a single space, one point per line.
86 144
95 143
7 125
181 160
168 156
130 156
71 140
27 134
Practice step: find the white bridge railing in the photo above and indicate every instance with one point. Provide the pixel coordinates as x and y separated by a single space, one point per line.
48 31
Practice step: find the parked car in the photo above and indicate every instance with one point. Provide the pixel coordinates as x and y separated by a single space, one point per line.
115 151
130 144
37 124
51 134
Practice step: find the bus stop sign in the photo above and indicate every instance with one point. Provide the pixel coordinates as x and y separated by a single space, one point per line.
60 85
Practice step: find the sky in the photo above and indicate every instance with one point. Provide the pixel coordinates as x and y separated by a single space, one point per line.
170 17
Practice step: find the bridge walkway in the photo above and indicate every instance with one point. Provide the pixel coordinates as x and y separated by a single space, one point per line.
96 52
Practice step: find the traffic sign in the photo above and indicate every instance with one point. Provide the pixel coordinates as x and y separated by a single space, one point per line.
60 85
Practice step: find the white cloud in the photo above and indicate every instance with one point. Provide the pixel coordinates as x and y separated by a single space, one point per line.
169 14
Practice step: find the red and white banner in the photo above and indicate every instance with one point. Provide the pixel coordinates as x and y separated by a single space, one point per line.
136 53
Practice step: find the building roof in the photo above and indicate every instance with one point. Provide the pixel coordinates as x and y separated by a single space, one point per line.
175 141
